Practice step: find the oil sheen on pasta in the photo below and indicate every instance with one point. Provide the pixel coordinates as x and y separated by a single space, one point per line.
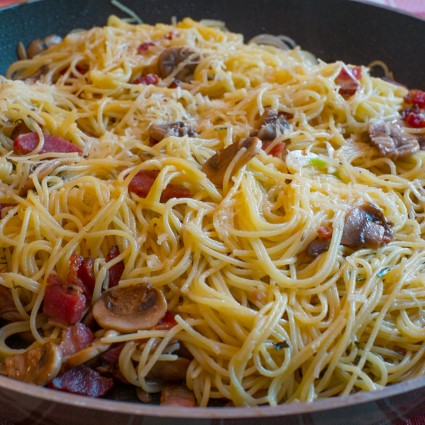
264 322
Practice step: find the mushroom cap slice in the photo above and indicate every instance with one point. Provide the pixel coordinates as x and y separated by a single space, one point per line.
182 59
215 167
39 365
130 308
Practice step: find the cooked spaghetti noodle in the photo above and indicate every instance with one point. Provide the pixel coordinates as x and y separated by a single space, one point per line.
264 321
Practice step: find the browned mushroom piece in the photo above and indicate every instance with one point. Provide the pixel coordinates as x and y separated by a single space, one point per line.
177 395
158 132
181 59
143 395
392 140
318 246
366 226
130 308
216 166
40 44
39 365
169 370
271 125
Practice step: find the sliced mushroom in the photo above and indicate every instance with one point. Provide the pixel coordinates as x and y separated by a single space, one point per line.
181 59
91 351
143 396
271 125
391 140
39 365
169 370
366 226
177 395
215 167
317 247
130 308
40 44
158 132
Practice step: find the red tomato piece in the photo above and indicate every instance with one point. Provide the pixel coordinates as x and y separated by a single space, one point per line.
63 302
83 381
26 143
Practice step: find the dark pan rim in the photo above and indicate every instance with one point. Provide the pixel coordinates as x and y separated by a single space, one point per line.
16 388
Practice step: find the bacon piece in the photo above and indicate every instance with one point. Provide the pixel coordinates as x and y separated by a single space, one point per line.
275 150
144 47
167 322
116 271
83 381
75 338
177 395
414 116
112 355
143 181
81 273
149 79
26 143
415 97
325 232
348 80
63 301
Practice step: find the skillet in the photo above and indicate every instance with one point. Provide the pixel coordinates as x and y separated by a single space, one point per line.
355 32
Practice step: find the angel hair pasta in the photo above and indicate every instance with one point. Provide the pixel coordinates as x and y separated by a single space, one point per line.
208 219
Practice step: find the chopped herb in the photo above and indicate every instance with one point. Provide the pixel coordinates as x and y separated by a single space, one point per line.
384 271
318 163
280 345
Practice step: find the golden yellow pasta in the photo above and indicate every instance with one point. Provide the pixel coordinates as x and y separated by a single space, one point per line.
276 201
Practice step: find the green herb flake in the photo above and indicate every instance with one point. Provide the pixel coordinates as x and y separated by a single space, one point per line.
383 272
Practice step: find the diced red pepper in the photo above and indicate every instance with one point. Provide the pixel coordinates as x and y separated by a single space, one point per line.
75 338
415 97
116 271
144 47
167 322
83 381
149 79
63 302
143 181
26 143
348 80
325 232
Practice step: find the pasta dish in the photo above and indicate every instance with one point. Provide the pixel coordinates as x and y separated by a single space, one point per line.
208 220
